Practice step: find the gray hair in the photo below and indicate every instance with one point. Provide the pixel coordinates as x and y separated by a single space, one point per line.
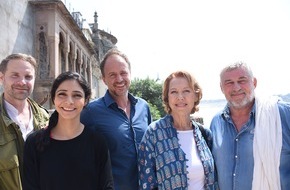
237 65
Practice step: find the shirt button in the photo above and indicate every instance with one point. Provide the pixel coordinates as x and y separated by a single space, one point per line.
237 140
234 175
236 156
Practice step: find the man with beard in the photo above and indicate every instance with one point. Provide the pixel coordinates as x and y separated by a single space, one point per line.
251 136
19 116
120 117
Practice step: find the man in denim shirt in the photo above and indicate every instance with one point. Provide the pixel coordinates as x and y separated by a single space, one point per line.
121 118
235 135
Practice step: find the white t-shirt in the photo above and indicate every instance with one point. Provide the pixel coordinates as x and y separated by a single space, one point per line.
195 169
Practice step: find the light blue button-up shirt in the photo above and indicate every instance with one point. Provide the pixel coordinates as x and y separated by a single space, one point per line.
233 150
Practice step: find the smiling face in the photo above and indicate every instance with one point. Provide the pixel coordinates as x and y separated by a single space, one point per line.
238 87
181 96
18 80
69 99
117 76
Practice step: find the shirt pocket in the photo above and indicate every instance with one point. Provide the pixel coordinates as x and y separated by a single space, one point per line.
9 163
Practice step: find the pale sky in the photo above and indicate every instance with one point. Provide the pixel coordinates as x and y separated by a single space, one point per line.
200 36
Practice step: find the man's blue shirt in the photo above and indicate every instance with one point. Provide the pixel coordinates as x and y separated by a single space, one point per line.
233 150
123 135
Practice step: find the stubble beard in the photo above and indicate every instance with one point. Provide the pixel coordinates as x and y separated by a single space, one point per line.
117 92
16 94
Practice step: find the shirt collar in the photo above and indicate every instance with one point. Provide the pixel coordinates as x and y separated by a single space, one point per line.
110 101
226 111
11 110
13 114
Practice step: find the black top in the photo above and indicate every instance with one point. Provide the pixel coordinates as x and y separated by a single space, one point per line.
79 163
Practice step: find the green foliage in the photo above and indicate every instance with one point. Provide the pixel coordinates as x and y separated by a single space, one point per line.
151 91
154 112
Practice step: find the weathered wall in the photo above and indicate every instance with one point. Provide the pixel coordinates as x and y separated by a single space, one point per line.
64 44
17 28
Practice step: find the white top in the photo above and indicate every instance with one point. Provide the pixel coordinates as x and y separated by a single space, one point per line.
195 169
13 114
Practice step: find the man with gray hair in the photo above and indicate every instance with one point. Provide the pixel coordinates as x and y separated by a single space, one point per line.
251 136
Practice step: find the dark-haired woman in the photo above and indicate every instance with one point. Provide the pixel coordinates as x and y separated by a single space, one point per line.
66 154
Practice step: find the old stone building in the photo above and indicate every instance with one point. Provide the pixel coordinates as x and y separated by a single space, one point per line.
59 40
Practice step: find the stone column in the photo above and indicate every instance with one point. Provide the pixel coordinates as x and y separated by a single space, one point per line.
53 42
89 70
74 57
66 58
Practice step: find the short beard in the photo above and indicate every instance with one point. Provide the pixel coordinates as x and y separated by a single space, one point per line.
244 103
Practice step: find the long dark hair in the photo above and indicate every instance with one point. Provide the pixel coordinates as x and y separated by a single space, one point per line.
44 135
